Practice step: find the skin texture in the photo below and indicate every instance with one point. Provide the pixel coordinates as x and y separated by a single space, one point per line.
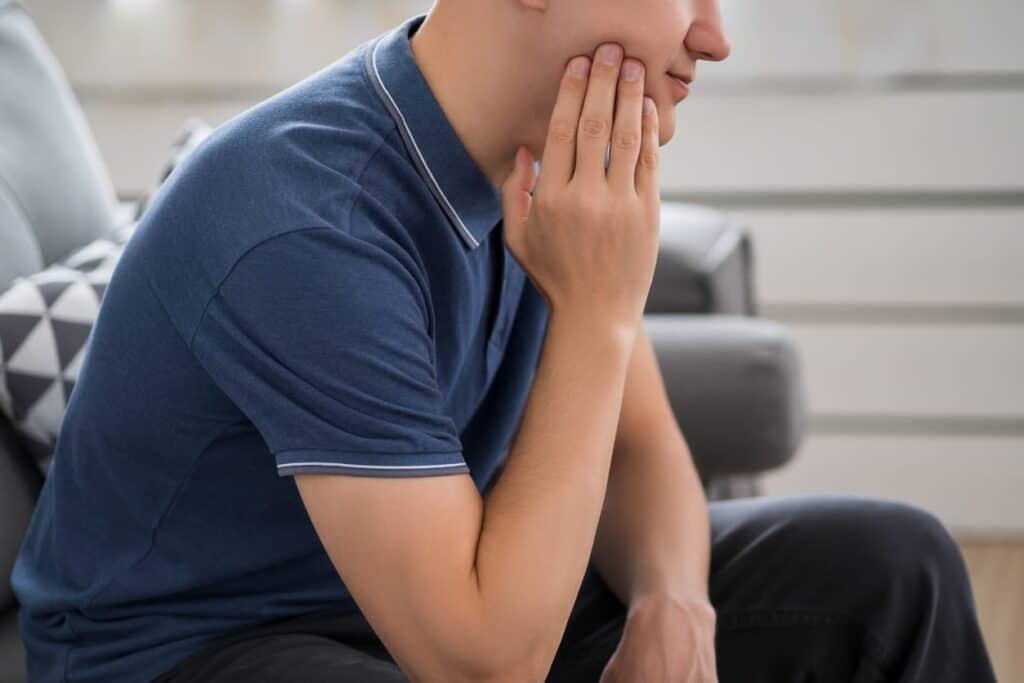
495 65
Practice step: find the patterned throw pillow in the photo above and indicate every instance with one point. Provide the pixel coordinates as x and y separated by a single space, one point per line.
45 321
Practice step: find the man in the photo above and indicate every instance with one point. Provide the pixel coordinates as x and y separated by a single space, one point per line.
336 319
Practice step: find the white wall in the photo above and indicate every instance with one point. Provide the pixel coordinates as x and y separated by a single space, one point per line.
875 150
873 147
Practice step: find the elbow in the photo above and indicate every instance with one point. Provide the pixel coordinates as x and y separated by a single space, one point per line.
494 663
506 675
480 647
524 670
483 675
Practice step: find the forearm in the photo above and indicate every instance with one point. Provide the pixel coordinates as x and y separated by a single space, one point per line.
541 516
653 539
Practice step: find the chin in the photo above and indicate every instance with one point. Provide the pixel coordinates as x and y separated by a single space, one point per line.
666 127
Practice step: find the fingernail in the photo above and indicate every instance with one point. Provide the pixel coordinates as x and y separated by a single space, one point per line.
648 105
631 70
579 67
610 53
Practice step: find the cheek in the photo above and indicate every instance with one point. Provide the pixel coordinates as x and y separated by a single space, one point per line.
658 86
655 85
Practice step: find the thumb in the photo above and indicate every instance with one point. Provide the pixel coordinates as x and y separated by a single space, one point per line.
515 193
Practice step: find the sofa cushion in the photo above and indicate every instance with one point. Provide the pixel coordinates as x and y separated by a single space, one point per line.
45 321
55 191
12 652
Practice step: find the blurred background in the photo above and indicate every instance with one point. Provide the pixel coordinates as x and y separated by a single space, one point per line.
873 149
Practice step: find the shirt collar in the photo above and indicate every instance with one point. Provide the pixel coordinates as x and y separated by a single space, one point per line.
465 194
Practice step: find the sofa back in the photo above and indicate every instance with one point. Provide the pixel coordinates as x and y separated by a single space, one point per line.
55 191
55 196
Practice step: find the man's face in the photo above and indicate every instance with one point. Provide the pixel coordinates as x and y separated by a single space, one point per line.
668 36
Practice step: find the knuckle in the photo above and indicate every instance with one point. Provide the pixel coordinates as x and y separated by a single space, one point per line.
562 131
649 158
626 141
542 202
594 127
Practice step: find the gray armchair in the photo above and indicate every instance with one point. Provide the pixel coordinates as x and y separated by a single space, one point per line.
733 379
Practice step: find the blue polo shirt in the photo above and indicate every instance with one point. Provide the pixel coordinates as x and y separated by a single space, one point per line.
322 287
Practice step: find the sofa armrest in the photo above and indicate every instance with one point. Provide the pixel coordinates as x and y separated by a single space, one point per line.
705 263
20 482
735 386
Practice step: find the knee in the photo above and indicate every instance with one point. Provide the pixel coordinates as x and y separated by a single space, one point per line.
895 541
914 538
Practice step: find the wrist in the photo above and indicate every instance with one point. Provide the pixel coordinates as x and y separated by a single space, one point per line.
595 326
690 606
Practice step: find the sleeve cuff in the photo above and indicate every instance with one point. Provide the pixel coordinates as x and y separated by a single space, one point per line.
312 461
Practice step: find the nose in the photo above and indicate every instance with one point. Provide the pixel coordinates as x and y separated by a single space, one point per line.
706 38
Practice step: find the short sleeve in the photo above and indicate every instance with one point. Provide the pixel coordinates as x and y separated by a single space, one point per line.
322 340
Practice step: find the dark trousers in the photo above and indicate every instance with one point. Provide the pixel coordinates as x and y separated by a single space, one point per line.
823 589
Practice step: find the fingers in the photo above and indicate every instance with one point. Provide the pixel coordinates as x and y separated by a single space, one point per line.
515 193
595 123
628 127
560 148
601 102
650 149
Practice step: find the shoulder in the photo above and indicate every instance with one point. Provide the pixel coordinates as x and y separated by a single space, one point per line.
295 159
324 153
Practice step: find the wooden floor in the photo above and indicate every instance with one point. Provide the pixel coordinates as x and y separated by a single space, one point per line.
997 576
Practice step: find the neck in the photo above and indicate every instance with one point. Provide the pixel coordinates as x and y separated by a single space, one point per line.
476 74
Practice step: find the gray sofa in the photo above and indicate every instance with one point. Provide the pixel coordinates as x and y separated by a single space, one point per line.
733 379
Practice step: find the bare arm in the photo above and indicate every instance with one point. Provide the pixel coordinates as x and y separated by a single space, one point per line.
541 517
473 590
653 540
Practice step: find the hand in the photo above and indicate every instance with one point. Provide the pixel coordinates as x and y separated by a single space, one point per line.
666 641
588 238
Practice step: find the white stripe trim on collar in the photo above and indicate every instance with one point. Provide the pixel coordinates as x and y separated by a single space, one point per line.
407 134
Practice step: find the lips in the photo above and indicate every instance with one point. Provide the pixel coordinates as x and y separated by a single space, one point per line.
682 84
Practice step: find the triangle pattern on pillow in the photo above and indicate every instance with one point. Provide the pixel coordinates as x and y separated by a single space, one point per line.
25 390
23 297
37 354
77 303
38 420
46 320
15 326
70 338
52 290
